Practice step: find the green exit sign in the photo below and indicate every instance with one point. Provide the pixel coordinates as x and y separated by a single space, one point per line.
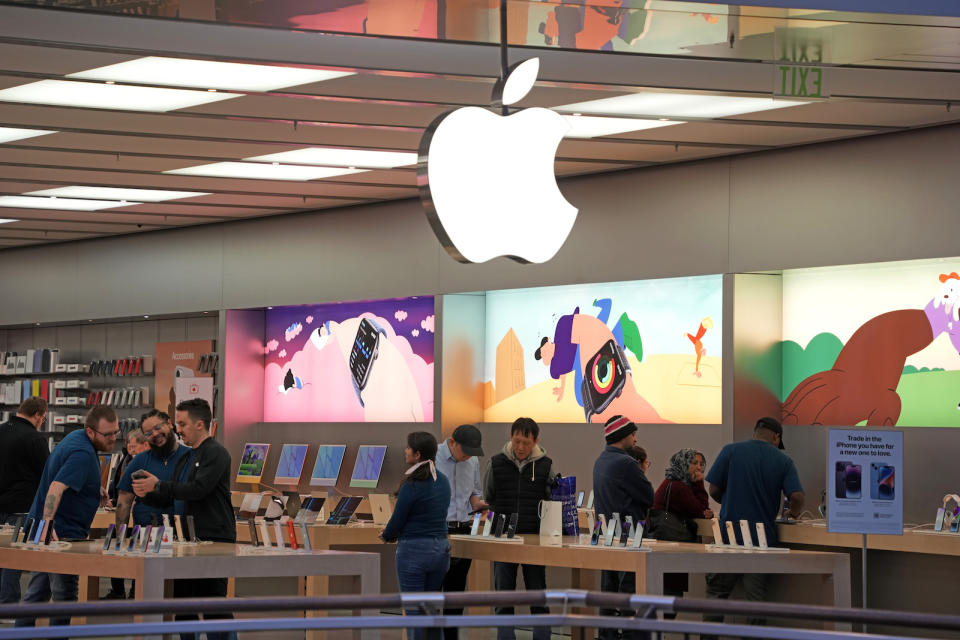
799 81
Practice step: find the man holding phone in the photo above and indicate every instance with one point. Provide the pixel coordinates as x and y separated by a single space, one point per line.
457 460
161 459
68 497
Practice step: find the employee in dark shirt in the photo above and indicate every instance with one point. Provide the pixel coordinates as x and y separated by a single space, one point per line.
419 522
23 452
206 494
620 486
69 494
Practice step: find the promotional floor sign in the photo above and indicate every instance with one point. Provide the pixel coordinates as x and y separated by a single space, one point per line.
865 481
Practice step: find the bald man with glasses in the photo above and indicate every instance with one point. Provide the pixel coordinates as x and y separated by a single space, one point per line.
69 494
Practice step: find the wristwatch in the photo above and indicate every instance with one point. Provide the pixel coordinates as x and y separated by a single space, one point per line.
604 377
366 347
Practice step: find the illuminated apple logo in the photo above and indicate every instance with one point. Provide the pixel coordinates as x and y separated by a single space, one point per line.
487 181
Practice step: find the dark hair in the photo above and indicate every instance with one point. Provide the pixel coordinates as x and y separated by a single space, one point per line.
638 453
33 406
98 413
426 445
526 426
536 354
198 409
154 413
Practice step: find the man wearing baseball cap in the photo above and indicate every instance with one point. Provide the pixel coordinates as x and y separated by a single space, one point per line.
456 459
620 486
747 479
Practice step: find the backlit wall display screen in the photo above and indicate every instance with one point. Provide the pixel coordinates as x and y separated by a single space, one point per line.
327 467
649 350
350 362
872 345
366 471
292 457
252 460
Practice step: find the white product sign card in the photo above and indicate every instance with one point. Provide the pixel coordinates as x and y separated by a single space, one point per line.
865 481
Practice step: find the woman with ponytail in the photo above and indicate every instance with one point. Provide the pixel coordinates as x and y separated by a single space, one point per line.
419 524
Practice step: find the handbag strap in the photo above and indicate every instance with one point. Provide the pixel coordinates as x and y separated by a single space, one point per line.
666 502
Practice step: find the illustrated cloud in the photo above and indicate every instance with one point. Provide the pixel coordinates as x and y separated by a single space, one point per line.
283 353
271 346
427 323
309 319
293 331
415 333
400 315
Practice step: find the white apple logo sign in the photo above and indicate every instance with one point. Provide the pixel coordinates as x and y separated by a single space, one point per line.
487 182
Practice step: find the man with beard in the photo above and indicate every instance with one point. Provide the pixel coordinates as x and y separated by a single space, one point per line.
161 460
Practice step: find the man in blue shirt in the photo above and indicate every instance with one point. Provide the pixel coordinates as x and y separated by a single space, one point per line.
456 459
69 494
161 460
747 479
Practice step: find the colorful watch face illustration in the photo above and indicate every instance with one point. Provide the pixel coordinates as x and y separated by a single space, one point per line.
604 375
364 352
881 481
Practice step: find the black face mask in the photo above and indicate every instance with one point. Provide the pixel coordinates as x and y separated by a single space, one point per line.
167 448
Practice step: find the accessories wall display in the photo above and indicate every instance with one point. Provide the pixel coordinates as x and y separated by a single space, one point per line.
664 525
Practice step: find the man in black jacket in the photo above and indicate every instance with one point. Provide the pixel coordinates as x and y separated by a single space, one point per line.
23 454
206 493
518 478
620 486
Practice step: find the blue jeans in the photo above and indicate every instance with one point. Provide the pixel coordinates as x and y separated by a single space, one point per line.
62 587
9 578
421 565
534 579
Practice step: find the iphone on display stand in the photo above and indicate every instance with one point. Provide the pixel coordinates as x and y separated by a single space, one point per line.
146 537
28 530
121 535
761 535
40 529
292 534
158 539
717 536
955 524
638 535
106 541
625 530
498 529
602 519
191 529
16 532
731 534
48 536
590 500
580 499
745 534
278 531
488 524
938 524
166 522
134 537
265 533
475 527
307 544
178 524
597 532
512 527
254 538
612 525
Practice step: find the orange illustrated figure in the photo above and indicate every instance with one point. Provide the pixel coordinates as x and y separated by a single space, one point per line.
697 340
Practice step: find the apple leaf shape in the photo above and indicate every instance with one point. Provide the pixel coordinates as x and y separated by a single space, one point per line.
520 79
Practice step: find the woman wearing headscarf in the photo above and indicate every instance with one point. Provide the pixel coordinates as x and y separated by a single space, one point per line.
688 499
419 523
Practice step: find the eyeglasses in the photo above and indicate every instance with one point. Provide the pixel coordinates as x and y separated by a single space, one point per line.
150 432
109 435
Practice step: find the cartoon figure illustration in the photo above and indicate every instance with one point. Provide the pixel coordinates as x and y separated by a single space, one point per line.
697 340
574 25
863 381
605 382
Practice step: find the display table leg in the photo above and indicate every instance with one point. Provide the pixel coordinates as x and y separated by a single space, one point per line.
88 590
585 579
480 578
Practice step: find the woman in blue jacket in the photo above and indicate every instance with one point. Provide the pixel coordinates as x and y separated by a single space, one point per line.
419 523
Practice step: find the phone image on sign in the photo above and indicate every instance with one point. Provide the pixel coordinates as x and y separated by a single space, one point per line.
881 481
848 480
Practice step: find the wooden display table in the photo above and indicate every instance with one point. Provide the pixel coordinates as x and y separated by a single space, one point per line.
152 571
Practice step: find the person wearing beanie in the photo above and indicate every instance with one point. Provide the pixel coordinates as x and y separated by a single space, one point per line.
620 486
747 479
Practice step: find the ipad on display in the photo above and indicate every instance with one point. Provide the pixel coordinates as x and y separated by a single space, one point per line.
252 462
344 510
366 470
292 457
327 467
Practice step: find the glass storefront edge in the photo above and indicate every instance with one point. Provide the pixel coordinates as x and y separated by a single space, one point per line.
649 27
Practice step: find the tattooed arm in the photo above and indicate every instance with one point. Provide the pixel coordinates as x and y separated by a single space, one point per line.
52 501
124 503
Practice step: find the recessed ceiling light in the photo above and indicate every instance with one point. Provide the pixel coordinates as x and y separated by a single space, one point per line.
343 157
93 95
9 134
262 171
116 193
677 105
6 220
206 74
66 204
593 126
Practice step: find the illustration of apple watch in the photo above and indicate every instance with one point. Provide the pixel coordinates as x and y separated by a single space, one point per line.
604 377
365 349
